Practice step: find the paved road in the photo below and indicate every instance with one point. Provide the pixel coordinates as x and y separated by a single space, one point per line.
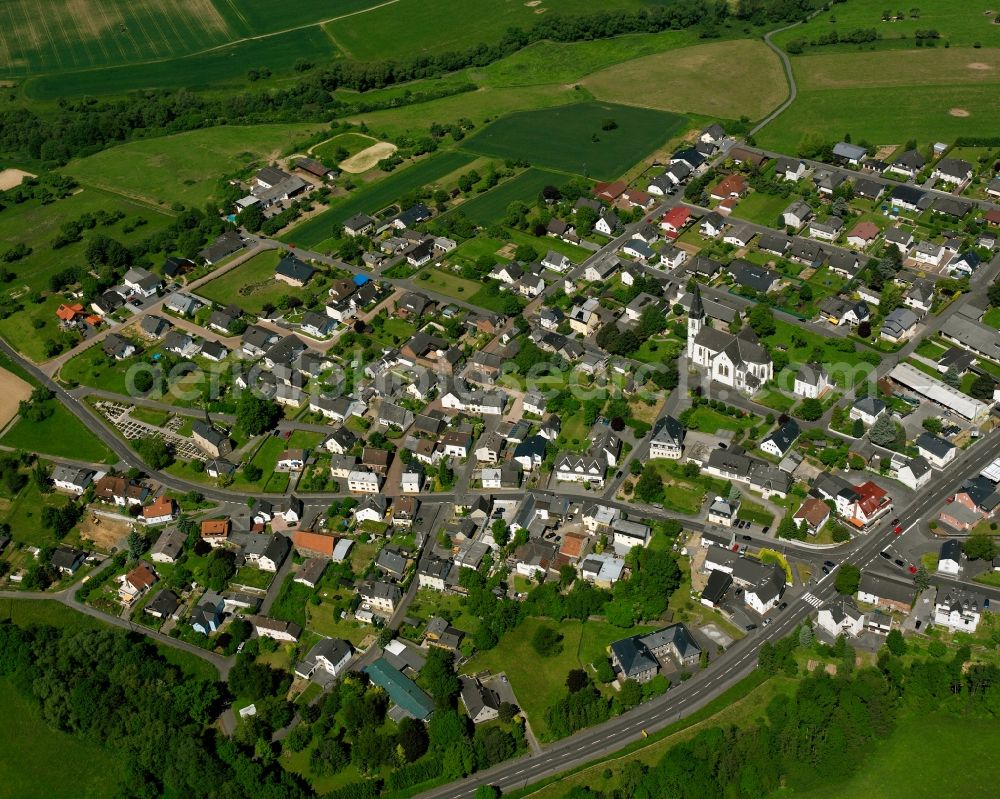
722 673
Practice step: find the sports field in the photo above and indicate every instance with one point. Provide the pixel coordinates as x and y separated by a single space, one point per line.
573 138
375 197
675 80
489 208
186 167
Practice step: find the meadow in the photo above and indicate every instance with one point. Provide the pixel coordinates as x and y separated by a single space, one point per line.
352 143
419 27
61 434
489 208
260 16
250 284
84 771
573 138
186 167
674 80
375 197
959 28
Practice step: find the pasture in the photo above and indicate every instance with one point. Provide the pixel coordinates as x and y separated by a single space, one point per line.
227 64
489 208
85 770
375 197
419 27
186 167
81 34
961 25
675 80
593 139
884 115
884 68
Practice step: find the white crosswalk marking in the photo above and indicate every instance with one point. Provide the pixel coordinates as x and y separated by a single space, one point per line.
812 599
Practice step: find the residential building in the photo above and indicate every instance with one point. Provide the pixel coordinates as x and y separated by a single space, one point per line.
887 592
481 703
329 656
950 557
638 657
958 609
935 450
841 617
667 440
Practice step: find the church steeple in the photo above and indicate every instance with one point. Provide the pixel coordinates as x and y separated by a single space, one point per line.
696 319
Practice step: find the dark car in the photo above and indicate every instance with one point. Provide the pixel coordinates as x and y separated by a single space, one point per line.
764 531
917 625
829 563
782 606
895 521
885 554
900 563
136 303
826 569
750 627
746 538
619 473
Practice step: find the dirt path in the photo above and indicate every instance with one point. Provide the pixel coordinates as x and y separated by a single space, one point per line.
12 390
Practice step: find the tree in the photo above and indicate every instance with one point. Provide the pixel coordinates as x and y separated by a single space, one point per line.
136 545
154 452
649 487
806 635
508 711
487 792
546 641
858 428
848 579
411 737
256 415
865 329
982 388
895 643
810 409
220 568
980 546
439 676
761 320
787 528
253 472
501 532
952 377
922 579
883 432
576 680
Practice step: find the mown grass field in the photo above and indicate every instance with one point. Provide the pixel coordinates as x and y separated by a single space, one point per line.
447 283
538 682
61 434
674 80
351 142
48 763
186 167
250 284
883 68
416 27
959 24
573 139
375 197
489 208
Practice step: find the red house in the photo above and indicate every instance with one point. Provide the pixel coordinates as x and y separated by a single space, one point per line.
675 220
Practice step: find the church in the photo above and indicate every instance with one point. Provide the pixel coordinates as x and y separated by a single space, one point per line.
738 361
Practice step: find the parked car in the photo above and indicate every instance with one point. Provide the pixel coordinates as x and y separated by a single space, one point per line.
750 627
885 554
900 562
829 563
767 621
782 606
746 538
764 531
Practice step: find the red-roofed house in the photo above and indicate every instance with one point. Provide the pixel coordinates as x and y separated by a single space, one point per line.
873 501
635 198
993 217
67 313
135 583
610 191
159 511
675 220
730 187
813 514
863 234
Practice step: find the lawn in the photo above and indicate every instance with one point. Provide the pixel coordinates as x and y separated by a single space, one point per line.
490 207
85 771
755 513
772 398
186 167
991 318
763 209
682 494
962 758
447 283
574 138
708 420
290 604
675 80
251 284
805 346
350 142
25 518
377 196
62 434
538 682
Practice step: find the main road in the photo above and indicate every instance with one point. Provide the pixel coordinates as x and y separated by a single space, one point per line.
721 675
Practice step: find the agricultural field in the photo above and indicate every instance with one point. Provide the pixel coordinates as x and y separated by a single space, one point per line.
419 27
228 64
260 16
251 284
186 167
85 770
675 80
371 199
489 208
974 23
594 139
101 33
888 96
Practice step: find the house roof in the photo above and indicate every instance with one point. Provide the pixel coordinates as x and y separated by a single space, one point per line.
161 506
938 447
293 268
813 510
402 690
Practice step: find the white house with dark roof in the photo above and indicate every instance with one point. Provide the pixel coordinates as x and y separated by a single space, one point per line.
958 609
810 381
937 451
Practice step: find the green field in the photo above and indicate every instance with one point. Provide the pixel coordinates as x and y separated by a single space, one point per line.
960 28
416 27
351 142
538 682
447 283
260 15
62 435
251 284
229 64
375 197
84 770
763 209
962 758
186 167
489 208
24 515
564 138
